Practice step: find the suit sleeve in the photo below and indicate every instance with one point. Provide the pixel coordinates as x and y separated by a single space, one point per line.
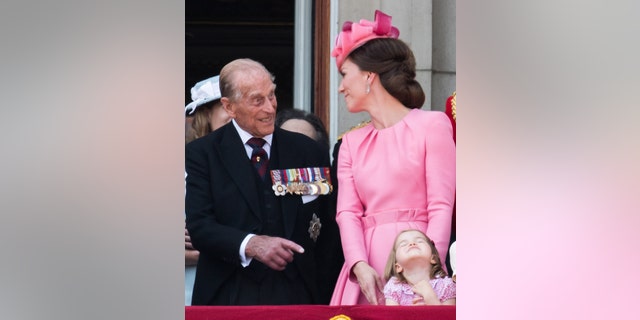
207 235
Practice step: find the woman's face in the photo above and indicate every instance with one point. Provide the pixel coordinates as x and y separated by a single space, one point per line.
218 116
353 86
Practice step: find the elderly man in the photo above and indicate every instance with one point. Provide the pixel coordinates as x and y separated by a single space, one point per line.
254 200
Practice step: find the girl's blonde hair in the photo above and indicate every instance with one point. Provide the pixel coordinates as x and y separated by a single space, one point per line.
201 126
436 269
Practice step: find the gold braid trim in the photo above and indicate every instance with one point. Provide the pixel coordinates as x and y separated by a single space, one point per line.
357 126
453 106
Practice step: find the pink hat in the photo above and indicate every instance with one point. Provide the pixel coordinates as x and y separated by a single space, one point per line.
354 35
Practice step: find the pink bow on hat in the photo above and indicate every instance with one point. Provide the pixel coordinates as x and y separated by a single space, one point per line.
354 35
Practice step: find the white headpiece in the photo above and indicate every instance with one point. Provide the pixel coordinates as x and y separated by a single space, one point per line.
204 91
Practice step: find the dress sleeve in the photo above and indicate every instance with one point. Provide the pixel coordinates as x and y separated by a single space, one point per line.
349 210
392 290
440 170
446 289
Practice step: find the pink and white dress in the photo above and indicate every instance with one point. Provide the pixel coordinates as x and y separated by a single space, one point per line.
401 292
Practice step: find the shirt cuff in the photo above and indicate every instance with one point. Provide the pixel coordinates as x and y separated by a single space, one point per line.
244 261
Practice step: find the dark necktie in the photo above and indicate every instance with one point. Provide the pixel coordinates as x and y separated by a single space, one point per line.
259 156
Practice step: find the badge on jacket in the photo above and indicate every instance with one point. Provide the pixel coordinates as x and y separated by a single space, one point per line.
314 227
301 181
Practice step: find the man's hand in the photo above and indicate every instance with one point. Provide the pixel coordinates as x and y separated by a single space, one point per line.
190 254
274 252
187 240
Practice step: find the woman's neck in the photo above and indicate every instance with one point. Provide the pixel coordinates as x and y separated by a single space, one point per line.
386 112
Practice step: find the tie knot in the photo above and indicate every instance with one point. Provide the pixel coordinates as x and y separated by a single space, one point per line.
256 142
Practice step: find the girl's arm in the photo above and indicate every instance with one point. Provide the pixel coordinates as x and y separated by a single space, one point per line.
390 302
425 289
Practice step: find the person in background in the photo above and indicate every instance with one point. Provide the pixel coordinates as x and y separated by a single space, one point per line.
330 261
395 173
258 243
414 273
307 123
450 111
452 258
204 115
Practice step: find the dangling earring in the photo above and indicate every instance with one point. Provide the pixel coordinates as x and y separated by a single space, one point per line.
367 89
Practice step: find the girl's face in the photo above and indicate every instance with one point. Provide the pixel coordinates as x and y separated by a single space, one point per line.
353 85
412 246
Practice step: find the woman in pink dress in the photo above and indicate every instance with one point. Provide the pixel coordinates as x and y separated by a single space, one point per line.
396 173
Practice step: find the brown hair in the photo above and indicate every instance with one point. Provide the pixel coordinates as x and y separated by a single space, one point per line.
394 62
390 268
321 132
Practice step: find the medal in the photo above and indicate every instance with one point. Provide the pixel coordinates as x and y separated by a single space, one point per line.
323 188
314 227
313 189
279 189
301 181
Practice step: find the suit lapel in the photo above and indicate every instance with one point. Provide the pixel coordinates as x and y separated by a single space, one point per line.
235 159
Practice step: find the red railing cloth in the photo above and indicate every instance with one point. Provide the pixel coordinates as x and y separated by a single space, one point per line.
320 312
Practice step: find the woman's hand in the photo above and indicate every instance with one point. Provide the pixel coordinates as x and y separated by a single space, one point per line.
370 282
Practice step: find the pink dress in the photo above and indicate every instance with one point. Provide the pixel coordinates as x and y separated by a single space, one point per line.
391 180
402 293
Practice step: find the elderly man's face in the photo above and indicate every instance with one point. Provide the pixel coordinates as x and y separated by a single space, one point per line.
255 110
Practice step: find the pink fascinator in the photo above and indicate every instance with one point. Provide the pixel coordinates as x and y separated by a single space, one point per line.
354 35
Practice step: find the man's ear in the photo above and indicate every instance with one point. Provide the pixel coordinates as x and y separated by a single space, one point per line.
228 106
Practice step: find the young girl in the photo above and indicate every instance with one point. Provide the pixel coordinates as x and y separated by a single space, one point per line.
414 273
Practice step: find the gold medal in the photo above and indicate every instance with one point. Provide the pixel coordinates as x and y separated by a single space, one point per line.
295 188
324 189
291 188
299 188
327 186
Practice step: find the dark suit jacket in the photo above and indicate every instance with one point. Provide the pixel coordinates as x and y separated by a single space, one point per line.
222 204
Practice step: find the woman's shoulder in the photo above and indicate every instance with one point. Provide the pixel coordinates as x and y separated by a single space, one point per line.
419 115
357 126
428 120
358 132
